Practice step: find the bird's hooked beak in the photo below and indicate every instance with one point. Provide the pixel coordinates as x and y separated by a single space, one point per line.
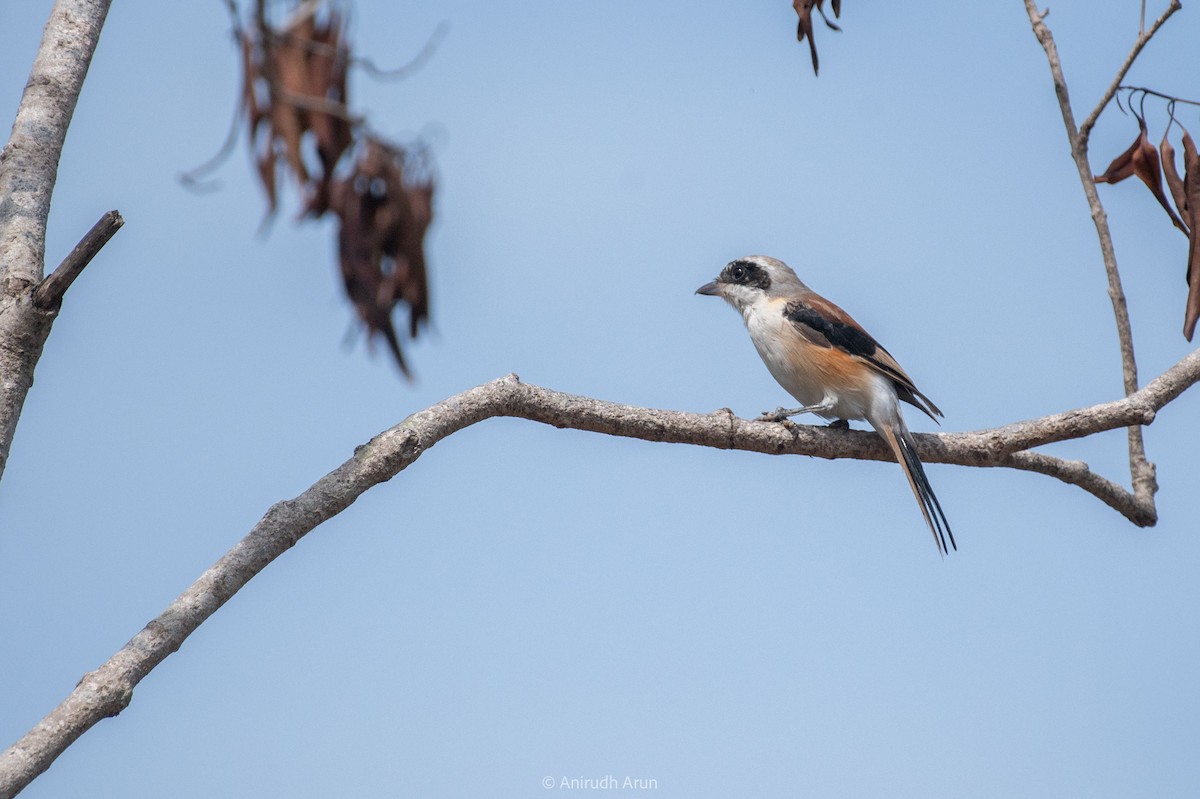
712 289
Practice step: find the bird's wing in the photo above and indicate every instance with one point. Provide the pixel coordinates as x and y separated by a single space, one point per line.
822 323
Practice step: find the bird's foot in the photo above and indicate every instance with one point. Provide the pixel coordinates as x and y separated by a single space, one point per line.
780 414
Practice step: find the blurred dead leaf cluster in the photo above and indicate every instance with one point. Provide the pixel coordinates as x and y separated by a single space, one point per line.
1152 165
804 30
300 124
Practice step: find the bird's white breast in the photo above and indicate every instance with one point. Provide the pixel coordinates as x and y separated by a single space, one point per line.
809 372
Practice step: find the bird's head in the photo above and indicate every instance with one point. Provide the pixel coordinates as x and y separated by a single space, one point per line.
752 279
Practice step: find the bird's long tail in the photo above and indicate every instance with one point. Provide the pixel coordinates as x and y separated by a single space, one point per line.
905 449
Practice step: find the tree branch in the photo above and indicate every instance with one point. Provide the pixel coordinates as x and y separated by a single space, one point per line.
50 291
30 164
28 169
108 690
1144 36
1139 510
1141 470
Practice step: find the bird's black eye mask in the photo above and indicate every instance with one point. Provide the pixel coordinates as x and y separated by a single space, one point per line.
746 273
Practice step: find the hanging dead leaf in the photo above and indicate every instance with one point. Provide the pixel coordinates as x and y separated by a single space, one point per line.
837 12
1121 166
288 83
250 76
266 174
411 285
1141 159
1174 181
295 95
804 27
381 242
328 62
1191 186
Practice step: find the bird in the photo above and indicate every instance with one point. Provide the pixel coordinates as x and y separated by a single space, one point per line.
830 364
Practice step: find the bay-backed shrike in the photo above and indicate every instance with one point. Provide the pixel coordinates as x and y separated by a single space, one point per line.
833 367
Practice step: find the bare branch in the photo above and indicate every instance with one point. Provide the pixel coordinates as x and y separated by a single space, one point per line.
1036 18
108 690
1138 509
1144 36
1139 408
30 164
1140 469
28 170
50 291
1170 98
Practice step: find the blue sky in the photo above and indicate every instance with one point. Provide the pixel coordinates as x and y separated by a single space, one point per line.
527 602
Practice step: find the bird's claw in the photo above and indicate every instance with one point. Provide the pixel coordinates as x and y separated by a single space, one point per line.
777 415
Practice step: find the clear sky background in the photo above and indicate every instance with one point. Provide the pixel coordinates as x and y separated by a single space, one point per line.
526 602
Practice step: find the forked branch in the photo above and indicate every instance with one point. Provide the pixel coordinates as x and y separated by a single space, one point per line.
108 690
1144 36
1140 469
28 169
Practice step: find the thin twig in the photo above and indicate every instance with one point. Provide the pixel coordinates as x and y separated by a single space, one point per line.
1170 98
235 19
1144 37
50 291
415 63
193 177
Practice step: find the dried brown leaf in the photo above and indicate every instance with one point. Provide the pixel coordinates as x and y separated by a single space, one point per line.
359 258
258 126
1141 159
804 29
292 48
289 73
1174 181
327 68
381 242
828 23
414 290
250 76
266 173
1121 166
1191 185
